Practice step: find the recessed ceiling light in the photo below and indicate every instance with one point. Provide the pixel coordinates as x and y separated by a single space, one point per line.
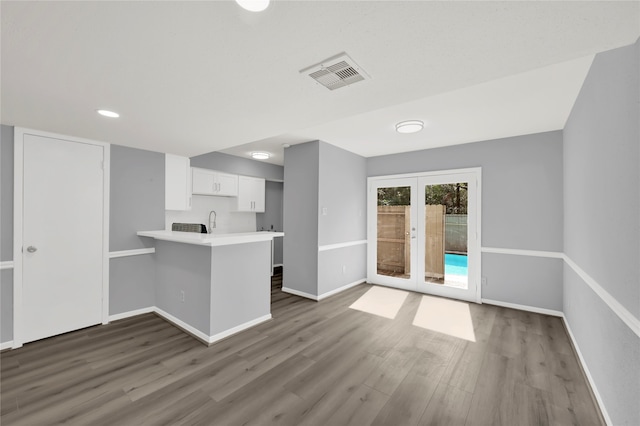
260 155
409 126
108 113
253 5
286 145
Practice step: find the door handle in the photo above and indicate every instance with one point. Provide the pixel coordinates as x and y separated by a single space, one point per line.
32 249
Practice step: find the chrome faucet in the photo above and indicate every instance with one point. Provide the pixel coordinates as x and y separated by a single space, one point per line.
212 225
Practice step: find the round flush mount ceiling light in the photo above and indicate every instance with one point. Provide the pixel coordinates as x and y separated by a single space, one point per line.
409 126
253 5
260 155
107 113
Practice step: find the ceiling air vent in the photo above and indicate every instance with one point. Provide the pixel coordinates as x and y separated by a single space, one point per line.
336 72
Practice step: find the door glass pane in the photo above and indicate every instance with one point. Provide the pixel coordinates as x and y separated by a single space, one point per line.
394 238
445 230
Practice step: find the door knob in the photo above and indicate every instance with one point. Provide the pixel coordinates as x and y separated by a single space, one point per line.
32 249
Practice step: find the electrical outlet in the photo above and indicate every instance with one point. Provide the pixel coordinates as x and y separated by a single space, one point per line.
483 281
182 296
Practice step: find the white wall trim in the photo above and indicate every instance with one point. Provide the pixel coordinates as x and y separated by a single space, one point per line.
6 345
518 252
341 245
627 317
7 264
239 328
341 289
183 325
592 382
523 307
133 313
132 252
300 293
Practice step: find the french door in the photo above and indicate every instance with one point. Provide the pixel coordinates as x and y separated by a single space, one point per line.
424 233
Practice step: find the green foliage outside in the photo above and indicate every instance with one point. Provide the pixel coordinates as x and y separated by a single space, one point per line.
451 195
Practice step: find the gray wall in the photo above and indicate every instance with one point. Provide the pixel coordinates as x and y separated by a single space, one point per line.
137 196
6 305
239 166
248 268
6 193
137 204
184 267
343 193
522 205
6 232
301 217
602 225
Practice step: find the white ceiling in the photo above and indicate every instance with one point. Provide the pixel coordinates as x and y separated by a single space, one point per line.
194 77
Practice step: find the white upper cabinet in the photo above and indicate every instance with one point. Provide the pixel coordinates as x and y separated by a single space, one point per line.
177 182
210 182
251 194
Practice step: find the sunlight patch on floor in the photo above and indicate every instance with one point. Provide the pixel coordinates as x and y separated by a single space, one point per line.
381 301
445 316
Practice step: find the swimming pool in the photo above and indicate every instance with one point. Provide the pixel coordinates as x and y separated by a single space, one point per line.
455 264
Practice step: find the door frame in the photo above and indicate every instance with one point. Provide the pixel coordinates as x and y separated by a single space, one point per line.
372 222
18 187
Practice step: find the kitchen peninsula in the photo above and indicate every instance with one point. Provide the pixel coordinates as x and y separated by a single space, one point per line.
213 285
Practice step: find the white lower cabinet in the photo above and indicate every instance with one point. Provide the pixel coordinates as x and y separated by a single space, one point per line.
210 182
251 194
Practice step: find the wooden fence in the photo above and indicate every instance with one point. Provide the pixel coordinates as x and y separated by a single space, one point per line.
394 239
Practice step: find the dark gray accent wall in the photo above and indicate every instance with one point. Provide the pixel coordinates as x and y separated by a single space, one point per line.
300 246
602 226
521 185
6 305
137 196
239 166
6 193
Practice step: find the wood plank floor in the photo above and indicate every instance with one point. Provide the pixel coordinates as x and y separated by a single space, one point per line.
313 364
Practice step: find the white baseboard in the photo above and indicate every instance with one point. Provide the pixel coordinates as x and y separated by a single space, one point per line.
523 307
133 313
341 289
239 328
300 293
183 325
324 295
6 345
603 409
133 252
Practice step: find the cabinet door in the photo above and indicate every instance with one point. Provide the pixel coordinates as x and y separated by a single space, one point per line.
227 185
250 194
202 181
177 183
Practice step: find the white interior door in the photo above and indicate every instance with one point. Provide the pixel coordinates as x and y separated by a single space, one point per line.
424 233
62 236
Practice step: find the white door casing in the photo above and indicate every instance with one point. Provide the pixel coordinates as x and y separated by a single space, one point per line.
61 208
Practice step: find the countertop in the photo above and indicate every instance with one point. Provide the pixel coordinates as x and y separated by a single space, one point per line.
211 239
